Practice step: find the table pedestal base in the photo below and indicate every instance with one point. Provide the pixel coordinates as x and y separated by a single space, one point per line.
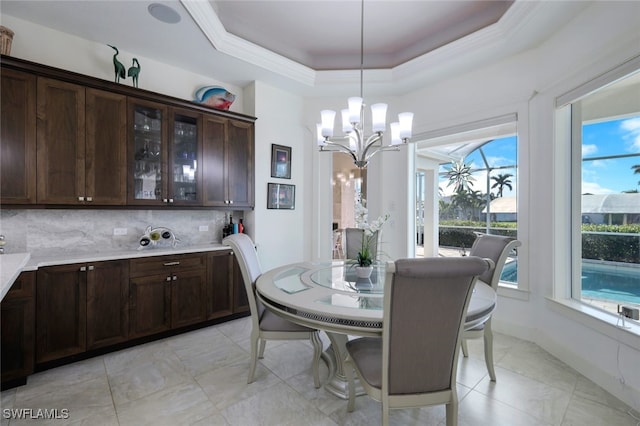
335 355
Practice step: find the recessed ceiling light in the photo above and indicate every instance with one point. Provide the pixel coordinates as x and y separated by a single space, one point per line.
164 13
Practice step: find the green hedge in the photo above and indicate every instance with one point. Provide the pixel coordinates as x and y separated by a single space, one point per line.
609 246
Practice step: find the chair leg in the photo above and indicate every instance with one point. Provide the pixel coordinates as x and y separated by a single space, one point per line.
385 411
254 357
452 413
263 343
488 349
465 350
317 351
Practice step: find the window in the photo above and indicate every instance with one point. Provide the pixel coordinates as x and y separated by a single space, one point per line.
605 207
477 187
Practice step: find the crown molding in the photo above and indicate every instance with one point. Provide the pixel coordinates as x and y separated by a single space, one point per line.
487 44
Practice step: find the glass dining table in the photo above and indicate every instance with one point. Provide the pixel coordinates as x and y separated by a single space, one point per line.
329 296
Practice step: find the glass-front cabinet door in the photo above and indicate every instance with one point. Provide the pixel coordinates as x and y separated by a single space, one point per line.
185 158
148 153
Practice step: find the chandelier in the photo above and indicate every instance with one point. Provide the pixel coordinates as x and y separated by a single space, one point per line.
353 141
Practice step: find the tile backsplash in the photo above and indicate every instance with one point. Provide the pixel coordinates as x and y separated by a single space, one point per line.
40 231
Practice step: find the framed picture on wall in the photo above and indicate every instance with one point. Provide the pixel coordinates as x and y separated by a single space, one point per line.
281 196
280 161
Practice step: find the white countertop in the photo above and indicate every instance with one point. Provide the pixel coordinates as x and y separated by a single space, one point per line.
12 264
10 267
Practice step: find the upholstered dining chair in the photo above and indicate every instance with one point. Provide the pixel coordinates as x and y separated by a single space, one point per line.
415 362
353 243
265 324
497 248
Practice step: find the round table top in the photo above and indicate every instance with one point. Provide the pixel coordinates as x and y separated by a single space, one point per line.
328 295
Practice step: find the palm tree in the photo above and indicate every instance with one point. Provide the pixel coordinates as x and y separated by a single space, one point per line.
636 170
502 180
459 175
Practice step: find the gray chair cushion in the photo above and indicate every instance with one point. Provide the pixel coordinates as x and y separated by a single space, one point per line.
366 353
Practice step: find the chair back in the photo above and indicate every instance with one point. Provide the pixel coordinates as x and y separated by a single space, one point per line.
247 256
353 245
426 303
496 248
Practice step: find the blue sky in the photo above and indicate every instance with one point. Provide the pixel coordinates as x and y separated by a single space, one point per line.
616 137
610 138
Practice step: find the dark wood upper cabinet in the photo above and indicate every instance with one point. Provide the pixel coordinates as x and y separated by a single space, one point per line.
81 145
185 157
60 142
74 140
228 163
17 137
105 154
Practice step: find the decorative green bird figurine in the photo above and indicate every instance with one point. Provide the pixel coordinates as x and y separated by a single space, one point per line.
134 71
117 65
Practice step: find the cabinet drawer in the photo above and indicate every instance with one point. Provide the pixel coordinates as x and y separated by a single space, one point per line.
155 265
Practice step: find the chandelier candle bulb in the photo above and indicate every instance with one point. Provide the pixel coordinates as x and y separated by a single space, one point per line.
406 121
319 134
355 109
328 116
379 117
346 125
395 133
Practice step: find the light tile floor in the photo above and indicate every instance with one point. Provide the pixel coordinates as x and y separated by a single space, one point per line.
199 378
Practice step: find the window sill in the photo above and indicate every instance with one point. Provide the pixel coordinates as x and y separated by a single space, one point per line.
598 320
512 292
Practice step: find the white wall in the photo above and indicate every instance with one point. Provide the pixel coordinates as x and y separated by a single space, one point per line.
280 235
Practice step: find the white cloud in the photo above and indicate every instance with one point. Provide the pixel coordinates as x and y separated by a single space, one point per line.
594 188
632 127
589 149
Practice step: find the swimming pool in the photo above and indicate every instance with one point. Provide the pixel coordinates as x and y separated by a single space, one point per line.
599 281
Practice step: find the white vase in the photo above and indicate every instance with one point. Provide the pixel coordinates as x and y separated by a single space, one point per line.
364 271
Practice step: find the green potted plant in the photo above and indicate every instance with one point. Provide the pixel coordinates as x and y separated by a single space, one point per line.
365 259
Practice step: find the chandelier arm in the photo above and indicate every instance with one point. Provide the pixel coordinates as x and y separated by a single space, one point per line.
338 147
380 149
370 141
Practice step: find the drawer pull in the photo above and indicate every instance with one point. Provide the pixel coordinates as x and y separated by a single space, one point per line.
171 263
168 278
175 277
83 268
91 267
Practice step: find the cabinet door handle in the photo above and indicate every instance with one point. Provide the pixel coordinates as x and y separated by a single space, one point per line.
83 268
175 278
168 278
171 263
164 200
230 201
80 198
89 198
91 267
171 200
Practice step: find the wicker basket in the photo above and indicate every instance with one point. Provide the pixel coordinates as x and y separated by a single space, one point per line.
6 37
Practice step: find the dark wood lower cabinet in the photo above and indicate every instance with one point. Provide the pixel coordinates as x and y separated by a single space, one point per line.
61 312
172 296
149 303
219 288
17 318
107 303
240 300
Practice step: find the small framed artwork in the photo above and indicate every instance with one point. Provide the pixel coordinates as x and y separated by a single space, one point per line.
281 196
280 161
